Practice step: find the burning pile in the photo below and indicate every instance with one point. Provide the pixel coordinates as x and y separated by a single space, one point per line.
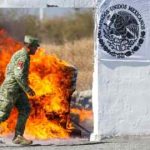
53 80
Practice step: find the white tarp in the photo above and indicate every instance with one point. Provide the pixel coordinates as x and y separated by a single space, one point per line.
123 31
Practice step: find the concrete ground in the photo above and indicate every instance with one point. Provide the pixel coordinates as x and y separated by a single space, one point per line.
117 143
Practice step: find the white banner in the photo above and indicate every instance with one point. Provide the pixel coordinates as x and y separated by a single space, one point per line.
123 30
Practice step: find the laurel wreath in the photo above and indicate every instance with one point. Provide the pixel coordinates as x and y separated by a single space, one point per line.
117 43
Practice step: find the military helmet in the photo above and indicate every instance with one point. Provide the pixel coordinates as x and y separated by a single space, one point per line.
31 40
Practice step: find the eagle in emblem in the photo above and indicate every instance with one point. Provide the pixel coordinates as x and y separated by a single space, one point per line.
122 24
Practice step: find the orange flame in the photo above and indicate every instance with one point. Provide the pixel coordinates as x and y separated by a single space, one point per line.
83 114
50 78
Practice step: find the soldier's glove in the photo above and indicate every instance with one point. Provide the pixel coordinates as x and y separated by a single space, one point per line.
31 92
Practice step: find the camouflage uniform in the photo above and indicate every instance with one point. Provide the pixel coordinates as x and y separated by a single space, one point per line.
14 88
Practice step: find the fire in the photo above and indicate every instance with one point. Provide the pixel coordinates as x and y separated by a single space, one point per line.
83 114
51 79
7 46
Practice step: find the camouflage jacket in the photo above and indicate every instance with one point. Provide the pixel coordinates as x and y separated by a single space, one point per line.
16 76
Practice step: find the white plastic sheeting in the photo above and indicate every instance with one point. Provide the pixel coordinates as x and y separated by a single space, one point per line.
122 30
121 89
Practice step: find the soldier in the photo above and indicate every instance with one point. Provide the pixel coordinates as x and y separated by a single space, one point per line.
14 89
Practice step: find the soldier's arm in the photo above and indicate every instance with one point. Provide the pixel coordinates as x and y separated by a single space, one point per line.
21 74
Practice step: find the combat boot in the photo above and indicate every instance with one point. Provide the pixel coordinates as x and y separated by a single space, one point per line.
21 140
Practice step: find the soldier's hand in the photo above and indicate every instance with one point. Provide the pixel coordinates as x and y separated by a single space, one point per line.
31 92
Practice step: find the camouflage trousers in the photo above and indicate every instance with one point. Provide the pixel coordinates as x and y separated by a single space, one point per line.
18 99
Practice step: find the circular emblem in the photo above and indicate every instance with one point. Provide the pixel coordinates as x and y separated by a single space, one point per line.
121 31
